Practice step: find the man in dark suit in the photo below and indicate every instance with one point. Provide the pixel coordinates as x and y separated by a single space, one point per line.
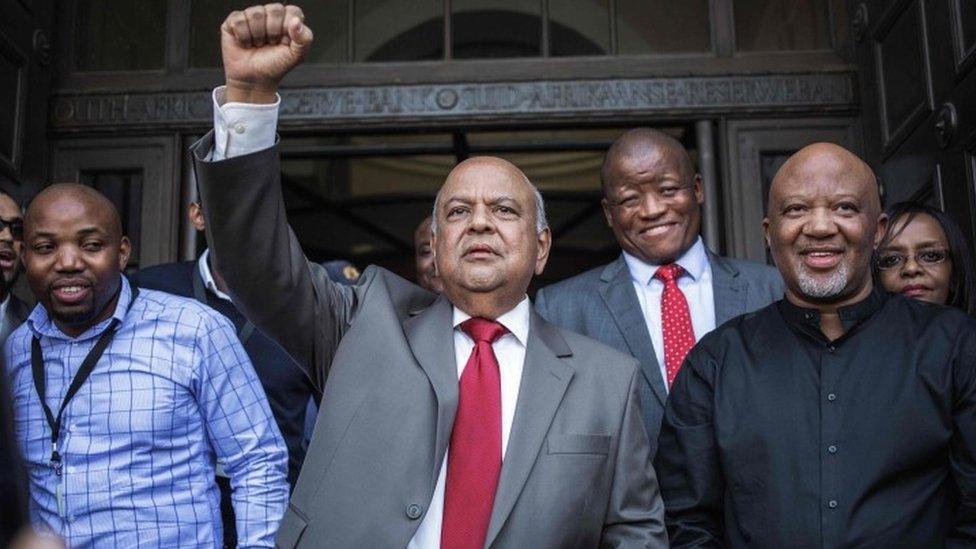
289 391
459 420
666 290
13 311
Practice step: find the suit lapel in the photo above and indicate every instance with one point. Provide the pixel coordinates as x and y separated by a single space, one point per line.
728 288
434 352
618 294
544 381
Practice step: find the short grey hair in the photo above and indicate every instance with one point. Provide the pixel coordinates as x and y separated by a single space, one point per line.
541 223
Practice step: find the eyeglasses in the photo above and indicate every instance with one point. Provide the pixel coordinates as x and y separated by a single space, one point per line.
15 225
926 258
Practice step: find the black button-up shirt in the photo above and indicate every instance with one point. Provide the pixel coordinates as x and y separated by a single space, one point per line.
775 436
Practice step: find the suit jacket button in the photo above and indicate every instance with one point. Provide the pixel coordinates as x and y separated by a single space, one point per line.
414 511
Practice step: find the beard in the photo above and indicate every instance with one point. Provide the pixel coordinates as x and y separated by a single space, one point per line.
823 288
74 316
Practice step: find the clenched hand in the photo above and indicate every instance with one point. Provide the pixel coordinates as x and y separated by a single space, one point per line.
259 46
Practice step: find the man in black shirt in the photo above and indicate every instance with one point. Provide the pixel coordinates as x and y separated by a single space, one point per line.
840 416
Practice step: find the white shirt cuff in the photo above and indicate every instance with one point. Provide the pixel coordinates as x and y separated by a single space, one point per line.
242 128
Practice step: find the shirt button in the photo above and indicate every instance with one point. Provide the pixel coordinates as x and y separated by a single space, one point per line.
808 316
831 397
832 449
71 468
239 128
831 349
414 511
71 518
832 504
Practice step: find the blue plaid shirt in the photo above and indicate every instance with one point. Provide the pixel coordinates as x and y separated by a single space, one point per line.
173 394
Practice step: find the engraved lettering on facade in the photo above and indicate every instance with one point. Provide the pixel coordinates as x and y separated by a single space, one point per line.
392 103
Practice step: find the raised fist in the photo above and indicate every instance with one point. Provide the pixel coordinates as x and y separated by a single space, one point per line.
259 46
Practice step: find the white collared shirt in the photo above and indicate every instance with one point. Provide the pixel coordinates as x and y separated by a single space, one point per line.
696 285
207 276
510 352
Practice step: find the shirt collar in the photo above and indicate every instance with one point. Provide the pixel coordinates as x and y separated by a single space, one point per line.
694 261
208 280
41 324
850 316
516 321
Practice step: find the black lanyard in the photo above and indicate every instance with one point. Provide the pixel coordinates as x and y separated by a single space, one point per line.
201 295
40 383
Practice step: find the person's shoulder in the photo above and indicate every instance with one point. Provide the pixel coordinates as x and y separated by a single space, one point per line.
582 282
742 332
746 323
168 277
751 269
404 296
163 306
929 314
18 341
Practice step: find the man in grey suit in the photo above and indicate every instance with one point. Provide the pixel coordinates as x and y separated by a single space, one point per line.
652 200
460 420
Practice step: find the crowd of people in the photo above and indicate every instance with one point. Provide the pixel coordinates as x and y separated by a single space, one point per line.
673 397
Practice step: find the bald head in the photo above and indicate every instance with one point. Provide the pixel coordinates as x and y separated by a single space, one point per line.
74 253
81 198
486 166
828 160
479 170
823 221
643 143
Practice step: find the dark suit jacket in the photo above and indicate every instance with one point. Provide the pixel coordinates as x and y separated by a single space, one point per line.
287 387
17 313
602 304
13 475
576 471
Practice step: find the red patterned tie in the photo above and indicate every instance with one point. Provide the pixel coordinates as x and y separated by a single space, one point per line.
679 335
475 455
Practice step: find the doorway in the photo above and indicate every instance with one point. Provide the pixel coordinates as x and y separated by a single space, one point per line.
360 197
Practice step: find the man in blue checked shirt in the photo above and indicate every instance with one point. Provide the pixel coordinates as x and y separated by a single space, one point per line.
142 393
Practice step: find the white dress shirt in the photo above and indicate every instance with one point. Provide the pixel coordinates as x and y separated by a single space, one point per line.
510 352
207 276
241 129
696 284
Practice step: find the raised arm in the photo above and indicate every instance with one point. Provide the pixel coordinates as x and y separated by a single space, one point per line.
238 173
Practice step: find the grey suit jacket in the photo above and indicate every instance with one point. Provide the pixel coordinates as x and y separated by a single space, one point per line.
602 304
577 470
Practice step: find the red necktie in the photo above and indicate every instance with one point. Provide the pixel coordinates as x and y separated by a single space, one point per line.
475 455
679 335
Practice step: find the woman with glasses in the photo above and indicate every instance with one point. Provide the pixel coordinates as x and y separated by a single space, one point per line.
924 255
